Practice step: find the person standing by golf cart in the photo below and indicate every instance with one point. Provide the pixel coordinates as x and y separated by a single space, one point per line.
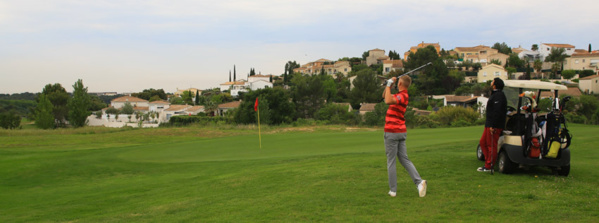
396 134
494 124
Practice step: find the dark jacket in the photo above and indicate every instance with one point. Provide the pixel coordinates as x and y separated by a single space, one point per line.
496 110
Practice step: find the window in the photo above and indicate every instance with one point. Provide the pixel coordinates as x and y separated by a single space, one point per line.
583 60
497 73
345 69
575 61
484 74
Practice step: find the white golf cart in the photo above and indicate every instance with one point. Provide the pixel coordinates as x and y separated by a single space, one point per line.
533 136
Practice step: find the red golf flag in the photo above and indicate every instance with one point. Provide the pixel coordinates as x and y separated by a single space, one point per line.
256 105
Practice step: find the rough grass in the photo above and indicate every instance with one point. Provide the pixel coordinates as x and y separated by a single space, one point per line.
331 174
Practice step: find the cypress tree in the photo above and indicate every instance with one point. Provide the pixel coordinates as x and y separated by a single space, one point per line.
197 101
43 113
79 105
229 75
234 74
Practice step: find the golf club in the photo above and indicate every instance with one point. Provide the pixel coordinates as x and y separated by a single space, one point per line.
409 72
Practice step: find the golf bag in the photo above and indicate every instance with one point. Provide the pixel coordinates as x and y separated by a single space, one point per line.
557 135
533 136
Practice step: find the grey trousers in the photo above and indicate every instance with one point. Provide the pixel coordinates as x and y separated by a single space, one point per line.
395 147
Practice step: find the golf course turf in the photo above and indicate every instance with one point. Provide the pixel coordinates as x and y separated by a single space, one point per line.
301 174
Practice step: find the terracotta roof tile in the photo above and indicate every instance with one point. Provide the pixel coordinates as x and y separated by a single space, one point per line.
233 104
589 77
128 99
367 107
463 99
572 91
138 108
195 108
160 102
234 83
559 45
177 107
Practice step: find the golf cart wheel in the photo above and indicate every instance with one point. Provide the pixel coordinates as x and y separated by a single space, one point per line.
479 153
505 164
564 171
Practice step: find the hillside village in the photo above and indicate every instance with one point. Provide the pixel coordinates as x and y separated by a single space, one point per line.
480 64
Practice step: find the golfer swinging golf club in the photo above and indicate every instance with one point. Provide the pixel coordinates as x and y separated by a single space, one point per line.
396 134
494 124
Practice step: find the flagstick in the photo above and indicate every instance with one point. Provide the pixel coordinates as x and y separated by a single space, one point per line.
259 133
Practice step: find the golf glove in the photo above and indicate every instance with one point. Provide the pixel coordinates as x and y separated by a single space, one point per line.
389 82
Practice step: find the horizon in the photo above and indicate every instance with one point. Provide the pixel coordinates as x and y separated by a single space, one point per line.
125 46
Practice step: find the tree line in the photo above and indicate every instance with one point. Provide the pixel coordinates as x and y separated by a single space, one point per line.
295 96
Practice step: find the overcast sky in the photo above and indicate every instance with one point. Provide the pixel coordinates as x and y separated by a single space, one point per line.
129 46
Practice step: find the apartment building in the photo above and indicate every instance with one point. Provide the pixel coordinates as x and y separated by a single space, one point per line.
330 67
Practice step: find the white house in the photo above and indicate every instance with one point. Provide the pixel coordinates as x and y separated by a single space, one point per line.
490 72
173 110
255 82
529 55
234 87
589 85
225 107
135 102
545 49
259 81
159 106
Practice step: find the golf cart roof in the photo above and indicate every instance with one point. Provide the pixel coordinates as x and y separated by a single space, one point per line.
534 85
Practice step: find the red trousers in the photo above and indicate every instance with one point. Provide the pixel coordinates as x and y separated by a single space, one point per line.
488 144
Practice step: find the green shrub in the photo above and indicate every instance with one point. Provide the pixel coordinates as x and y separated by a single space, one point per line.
586 73
334 114
461 123
111 110
304 122
426 121
10 120
480 121
450 114
377 117
182 120
574 118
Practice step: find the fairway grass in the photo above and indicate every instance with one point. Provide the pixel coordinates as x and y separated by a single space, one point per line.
307 174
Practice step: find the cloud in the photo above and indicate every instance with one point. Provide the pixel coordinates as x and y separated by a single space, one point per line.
119 44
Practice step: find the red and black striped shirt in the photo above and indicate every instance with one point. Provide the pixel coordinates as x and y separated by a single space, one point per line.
395 121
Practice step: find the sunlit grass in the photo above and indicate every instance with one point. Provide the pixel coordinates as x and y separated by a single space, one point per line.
322 173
